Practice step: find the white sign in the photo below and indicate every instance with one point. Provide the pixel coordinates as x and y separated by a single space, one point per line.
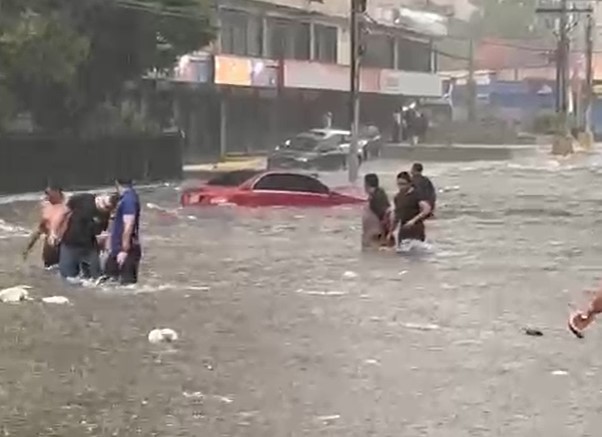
409 83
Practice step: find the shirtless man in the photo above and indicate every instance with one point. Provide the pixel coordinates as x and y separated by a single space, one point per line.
52 210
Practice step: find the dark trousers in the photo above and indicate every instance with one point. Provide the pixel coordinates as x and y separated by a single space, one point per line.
415 232
127 273
75 260
50 255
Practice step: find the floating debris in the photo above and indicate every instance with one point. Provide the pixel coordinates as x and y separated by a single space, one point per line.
350 275
224 399
193 395
560 373
321 293
422 327
198 288
533 332
59 300
372 361
328 418
15 294
164 335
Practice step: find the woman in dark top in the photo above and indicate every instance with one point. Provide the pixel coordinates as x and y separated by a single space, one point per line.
411 208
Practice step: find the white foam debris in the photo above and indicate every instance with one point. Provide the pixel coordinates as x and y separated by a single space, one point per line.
59 300
193 395
350 275
15 294
328 418
198 288
321 293
560 373
224 399
422 326
164 335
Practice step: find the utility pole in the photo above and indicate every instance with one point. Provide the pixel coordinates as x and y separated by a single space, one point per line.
472 86
589 76
563 52
563 141
358 7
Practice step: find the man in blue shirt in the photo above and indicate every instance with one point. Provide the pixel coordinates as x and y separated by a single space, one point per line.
124 250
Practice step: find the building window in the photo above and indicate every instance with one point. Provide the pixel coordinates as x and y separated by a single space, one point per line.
288 39
378 51
240 33
325 43
413 55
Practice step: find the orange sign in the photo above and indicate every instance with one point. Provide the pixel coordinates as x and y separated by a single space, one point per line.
231 70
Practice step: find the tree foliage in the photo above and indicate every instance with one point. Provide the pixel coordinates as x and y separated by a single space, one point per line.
505 18
60 60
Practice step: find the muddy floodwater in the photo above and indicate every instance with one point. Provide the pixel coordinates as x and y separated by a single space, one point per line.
286 329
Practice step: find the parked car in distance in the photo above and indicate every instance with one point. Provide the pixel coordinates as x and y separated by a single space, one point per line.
321 149
271 188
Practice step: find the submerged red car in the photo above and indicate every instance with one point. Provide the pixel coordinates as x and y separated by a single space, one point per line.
257 188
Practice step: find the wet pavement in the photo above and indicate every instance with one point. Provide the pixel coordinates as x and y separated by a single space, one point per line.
277 338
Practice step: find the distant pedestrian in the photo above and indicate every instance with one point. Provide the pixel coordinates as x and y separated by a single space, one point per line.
125 251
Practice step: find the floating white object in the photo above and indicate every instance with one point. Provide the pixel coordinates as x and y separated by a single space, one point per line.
422 327
59 300
15 294
350 275
164 335
560 373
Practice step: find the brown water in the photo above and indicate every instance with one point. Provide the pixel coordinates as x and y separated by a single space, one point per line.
283 342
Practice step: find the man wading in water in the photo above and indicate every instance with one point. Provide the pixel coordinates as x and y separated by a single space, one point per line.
53 208
424 186
86 216
411 209
376 221
124 251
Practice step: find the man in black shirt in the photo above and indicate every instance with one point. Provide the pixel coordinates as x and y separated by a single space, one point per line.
87 216
411 208
424 185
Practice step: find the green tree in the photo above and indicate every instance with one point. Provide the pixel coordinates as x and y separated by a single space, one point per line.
63 59
505 18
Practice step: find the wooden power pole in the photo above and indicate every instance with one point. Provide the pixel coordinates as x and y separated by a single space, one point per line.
358 7
563 141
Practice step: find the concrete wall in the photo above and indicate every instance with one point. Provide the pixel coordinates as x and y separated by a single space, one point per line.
29 163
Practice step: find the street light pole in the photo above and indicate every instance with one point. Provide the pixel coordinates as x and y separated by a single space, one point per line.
354 99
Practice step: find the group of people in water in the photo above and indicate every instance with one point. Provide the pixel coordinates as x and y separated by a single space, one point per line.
93 236
412 205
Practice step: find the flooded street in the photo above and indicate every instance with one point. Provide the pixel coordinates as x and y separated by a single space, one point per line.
278 338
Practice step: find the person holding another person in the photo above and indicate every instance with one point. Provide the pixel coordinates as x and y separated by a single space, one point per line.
125 252
53 208
85 218
411 209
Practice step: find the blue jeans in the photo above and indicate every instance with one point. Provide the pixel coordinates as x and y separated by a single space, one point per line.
76 260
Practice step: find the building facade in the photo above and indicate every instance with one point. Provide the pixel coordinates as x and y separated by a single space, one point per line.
277 67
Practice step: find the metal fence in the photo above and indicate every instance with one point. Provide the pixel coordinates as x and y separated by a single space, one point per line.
29 163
